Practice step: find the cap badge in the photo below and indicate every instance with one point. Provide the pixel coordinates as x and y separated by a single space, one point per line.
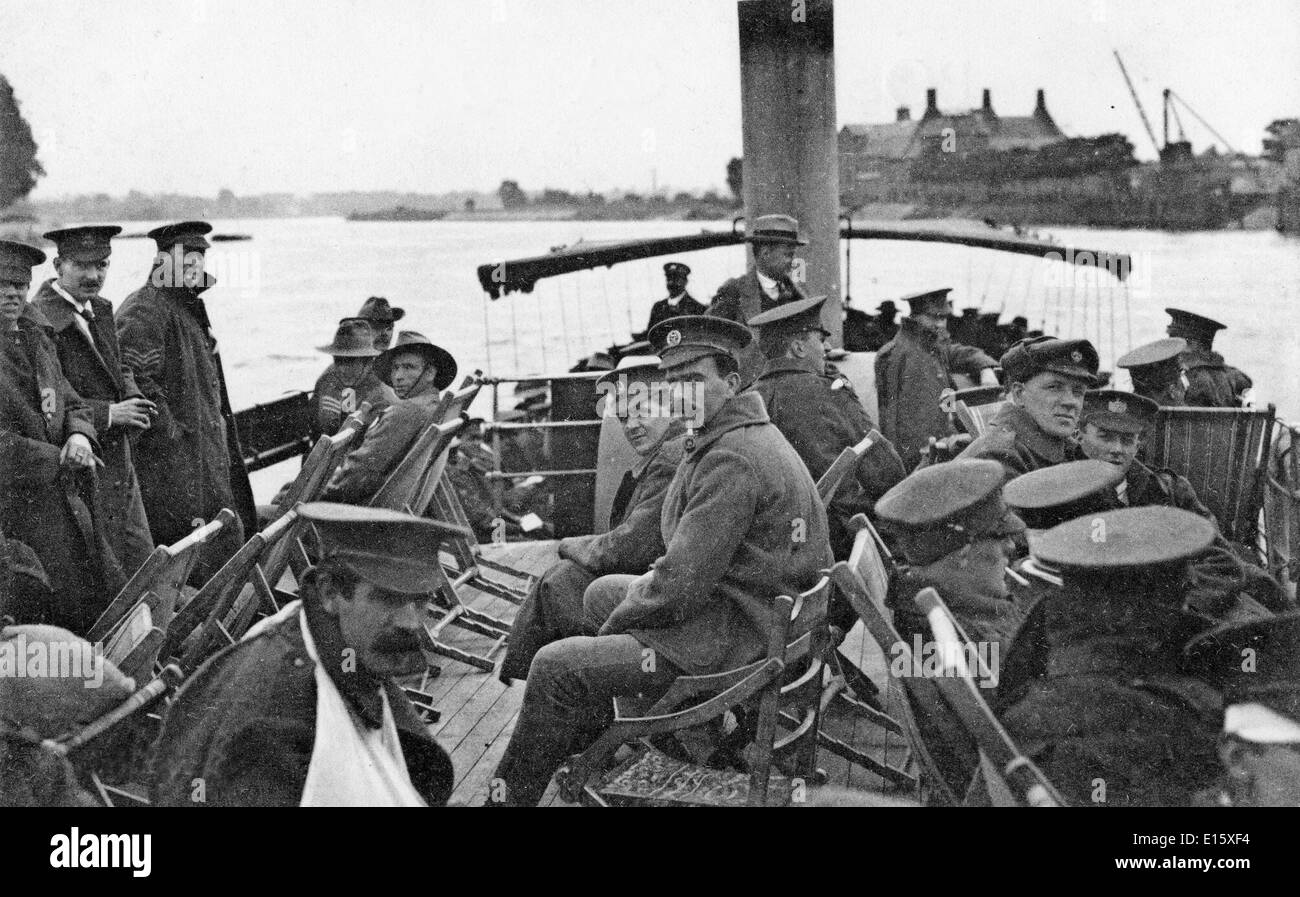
1077 356
1118 407
674 337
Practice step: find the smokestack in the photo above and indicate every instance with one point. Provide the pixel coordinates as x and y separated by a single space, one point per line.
903 114
987 107
931 102
1042 102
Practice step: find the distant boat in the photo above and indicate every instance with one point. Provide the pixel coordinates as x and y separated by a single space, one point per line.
399 213
215 238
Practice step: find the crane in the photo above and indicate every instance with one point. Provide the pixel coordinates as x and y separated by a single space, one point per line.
1142 112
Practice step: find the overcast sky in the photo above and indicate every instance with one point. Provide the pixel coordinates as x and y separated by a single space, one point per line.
433 95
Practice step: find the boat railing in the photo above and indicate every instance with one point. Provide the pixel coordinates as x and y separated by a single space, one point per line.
1280 528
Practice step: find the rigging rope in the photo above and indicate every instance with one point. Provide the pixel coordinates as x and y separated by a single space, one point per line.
627 298
564 321
514 330
487 337
582 320
541 329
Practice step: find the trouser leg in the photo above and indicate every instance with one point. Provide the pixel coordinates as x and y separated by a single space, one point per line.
552 610
602 596
569 700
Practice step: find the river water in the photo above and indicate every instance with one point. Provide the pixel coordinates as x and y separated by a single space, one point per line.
280 294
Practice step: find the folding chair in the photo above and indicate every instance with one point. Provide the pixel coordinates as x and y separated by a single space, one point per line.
649 776
466 554
975 408
1006 770
325 455
844 467
133 626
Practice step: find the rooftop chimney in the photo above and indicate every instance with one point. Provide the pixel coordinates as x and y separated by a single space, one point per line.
987 107
1042 103
902 113
931 102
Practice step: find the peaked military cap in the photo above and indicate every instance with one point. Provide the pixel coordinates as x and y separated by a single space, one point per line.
1257 666
939 509
1125 540
1123 412
887 305
791 317
18 259
1152 354
188 234
84 244
685 338
390 549
1042 354
353 339
410 341
1192 325
676 268
633 367
775 229
376 308
920 302
1051 495
1020 320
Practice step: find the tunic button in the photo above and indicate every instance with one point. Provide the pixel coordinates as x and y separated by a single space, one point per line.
297 661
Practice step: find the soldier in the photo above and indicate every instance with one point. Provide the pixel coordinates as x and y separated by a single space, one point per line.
914 369
678 302
418 371
554 609
742 523
818 414
86 339
1094 689
774 240
1156 370
1046 382
304 710
864 333
47 457
350 381
189 462
1211 383
1257 666
382 317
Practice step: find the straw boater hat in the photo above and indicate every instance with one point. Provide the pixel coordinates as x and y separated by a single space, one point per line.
410 341
353 339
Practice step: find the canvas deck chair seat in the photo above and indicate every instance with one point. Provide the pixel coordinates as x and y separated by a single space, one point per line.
1224 454
133 627
780 767
974 409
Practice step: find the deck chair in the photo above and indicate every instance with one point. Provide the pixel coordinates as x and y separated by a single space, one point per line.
915 703
134 625
844 467
1282 505
467 563
1006 771
780 767
1224 453
974 409
325 455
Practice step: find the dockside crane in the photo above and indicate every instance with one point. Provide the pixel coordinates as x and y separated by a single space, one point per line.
1136 102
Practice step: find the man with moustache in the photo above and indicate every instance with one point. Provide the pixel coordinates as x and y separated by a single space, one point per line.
417 371
304 710
554 609
1046 382
86 339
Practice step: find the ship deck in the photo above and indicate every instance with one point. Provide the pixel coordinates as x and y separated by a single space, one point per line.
478 713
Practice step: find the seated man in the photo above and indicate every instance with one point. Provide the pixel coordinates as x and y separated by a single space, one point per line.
418 371
633 542
1094 690
350 381
1156 370
1046 380
1260 743
818 414
741 524
304 710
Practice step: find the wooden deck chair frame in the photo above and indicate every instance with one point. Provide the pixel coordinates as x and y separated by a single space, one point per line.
1011 771
722 692
467 554
323 458
973 409
1202 444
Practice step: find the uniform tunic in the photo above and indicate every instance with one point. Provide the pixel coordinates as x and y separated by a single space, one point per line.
1211 383
333 399
663 309
386 443
743 298
1016 442
96 371
912 371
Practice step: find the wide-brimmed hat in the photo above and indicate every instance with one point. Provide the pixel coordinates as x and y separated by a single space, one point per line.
775 229
376 308
410 341
353 339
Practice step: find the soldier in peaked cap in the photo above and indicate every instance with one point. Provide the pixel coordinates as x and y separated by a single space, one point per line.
190 464
554 609
85 337
304 710
819 414
382 317
741 524
47 453
774 239
418 371
1046 382
678 302
1095 689
1257 665
1156 370
1211 383
914 369
350 381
